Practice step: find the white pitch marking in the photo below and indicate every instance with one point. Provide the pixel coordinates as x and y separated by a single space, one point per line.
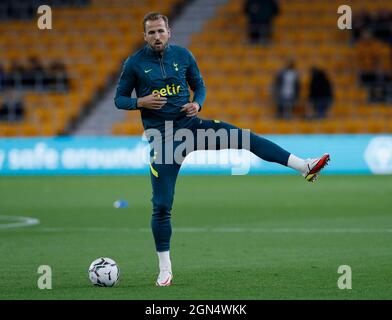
228 230
17 222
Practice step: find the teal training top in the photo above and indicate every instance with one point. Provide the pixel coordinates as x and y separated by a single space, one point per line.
169 74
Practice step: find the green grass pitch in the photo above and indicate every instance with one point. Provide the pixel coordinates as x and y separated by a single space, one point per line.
235 237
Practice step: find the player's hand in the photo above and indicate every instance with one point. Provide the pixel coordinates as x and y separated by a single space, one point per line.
152 101
191 109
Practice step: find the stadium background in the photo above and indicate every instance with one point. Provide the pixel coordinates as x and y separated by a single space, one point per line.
271 241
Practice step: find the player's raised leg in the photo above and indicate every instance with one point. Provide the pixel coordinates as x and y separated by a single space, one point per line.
268 150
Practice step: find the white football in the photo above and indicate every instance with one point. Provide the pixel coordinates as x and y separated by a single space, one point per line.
104 272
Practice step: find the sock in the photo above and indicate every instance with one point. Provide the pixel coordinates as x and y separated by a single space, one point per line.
164 260
296 163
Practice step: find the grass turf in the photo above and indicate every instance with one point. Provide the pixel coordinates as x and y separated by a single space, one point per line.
237 237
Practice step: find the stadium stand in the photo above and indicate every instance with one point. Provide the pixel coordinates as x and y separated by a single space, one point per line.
239 76
309 34
27 9
90 40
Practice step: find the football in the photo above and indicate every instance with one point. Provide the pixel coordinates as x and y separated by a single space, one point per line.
104 272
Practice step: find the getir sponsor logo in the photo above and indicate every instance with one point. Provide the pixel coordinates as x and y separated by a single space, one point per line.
168 90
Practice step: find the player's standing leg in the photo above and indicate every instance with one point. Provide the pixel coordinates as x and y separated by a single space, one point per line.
163 180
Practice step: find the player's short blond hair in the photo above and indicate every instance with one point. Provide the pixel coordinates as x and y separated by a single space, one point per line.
153 16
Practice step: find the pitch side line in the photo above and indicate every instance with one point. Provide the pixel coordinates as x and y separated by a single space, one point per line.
17 222
232 230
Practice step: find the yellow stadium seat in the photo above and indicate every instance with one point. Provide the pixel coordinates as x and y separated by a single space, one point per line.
354 126
29 130
284 127
263 127
9 130
329 126
306 127
376 125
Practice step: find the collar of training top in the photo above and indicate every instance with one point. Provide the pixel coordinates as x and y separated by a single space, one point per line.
151 52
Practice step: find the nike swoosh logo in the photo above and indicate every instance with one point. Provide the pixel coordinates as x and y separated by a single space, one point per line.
147 71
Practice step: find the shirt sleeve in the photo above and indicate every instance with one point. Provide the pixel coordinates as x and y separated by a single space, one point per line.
125 86
195 81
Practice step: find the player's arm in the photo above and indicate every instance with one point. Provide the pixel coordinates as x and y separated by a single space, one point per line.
126 84
196 83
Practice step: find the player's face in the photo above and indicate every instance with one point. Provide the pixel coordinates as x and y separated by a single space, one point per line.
157 34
